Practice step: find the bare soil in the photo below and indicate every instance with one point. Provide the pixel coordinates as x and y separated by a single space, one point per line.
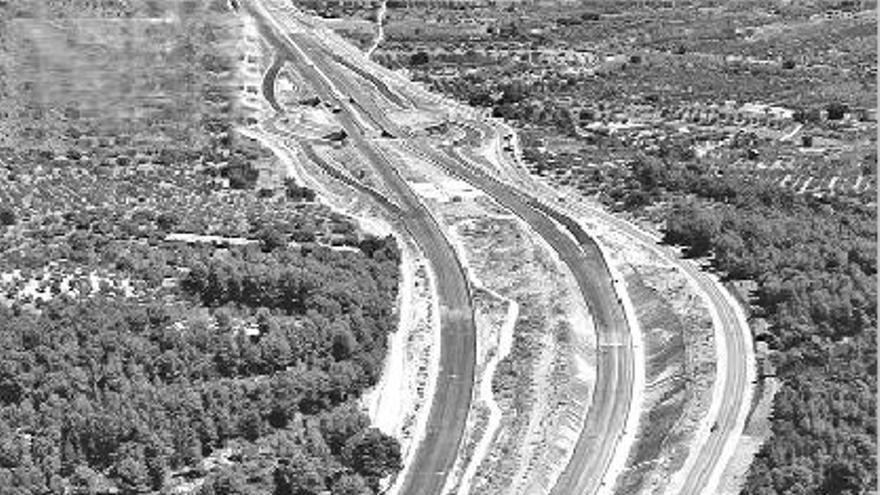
680 365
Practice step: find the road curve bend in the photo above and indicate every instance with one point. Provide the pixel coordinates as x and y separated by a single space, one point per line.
452 394
334 78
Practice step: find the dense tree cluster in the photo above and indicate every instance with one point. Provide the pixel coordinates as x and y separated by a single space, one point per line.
238 368
268 362
815 263
296 192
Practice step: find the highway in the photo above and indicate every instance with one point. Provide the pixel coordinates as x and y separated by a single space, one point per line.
704 465
612 397
609 410
703 468
449 408
342 82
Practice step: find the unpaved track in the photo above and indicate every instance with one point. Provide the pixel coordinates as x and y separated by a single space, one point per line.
380 29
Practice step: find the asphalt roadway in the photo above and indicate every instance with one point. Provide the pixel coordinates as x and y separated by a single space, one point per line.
702 474
612 397
446 420
606 418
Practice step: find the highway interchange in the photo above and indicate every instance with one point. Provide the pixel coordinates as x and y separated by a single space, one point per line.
364 116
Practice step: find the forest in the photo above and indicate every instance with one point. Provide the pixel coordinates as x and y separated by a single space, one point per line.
815 263
262 363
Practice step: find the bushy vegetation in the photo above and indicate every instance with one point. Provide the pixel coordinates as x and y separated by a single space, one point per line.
629 76
274 349
229 359
815 264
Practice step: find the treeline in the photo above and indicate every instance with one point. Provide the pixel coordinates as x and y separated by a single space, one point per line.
672 169
103 392
515 100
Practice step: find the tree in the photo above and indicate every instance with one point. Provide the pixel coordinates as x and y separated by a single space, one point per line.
84 480
342 423
298 475
692 226
296 192
275 347
167 221
130 468
419 58
156 461
350 484
7 217
731 255
271 238
836 111
251 425
373 455
226 482
241 173
344 343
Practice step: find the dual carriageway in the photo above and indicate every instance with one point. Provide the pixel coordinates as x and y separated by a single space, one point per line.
348 87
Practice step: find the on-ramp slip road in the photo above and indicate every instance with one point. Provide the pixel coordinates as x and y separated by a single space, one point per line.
611 404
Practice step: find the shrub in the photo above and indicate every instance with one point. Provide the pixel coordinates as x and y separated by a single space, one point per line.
7 217
419 58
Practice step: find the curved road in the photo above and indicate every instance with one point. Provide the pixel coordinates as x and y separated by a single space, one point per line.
703 471
612 398
458 338
705 464
611 401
